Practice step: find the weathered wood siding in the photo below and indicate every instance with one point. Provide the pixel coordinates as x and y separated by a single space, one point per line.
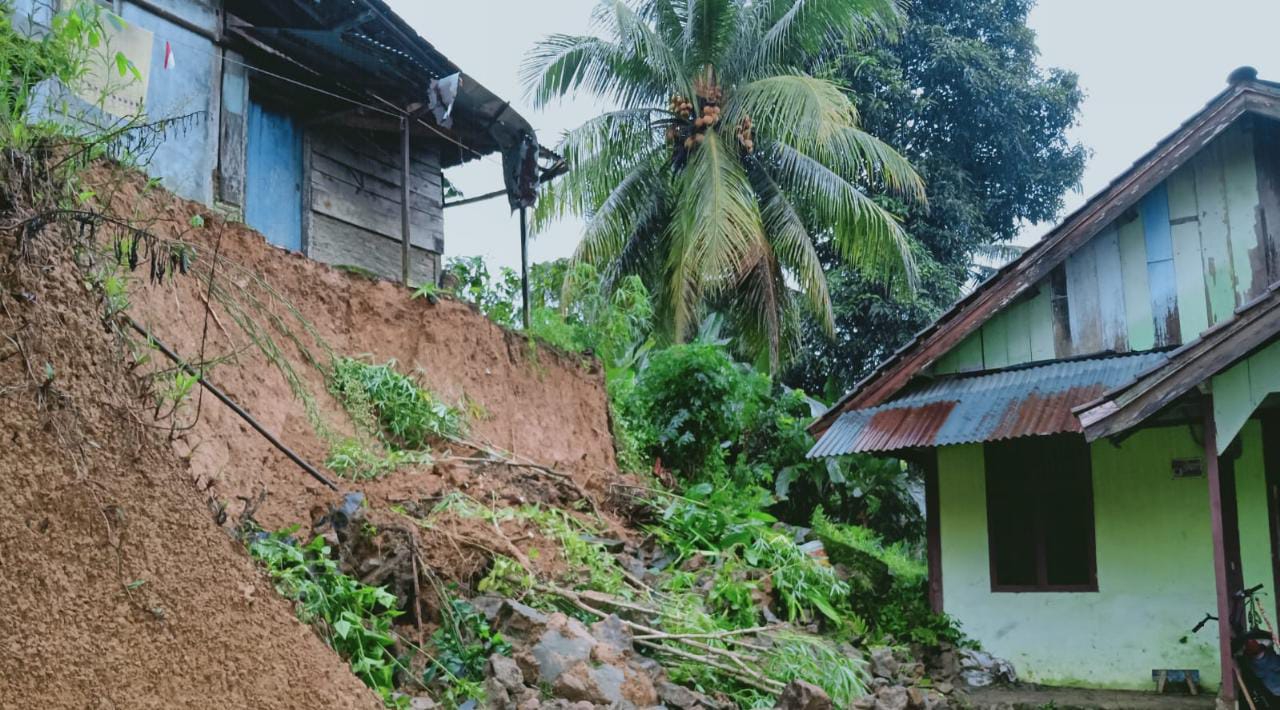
1196 247
354 199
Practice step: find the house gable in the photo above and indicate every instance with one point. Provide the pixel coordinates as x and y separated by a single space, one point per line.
1195 248
1196 219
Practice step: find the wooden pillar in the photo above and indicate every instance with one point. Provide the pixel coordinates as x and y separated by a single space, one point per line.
1271 466
933 529
405 236
1221 561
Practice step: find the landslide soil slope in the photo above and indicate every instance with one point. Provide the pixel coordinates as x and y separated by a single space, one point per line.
533 402
118 589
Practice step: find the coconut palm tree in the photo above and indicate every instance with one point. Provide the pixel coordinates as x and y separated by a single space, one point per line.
723 158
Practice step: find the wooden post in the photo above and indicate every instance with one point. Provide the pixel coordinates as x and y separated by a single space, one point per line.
933 530
405 236
1271 465
524 264
1228 692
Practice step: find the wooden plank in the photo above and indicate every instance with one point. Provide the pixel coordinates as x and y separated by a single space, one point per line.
1267 146
1240 185
995 343
1188 263
1264 373
1162 281
966 357
1271 469
336 242
1040 321
1221 553
1018 334
1082 292
421 196
376 159
337 199
1232 402
1215 237
1112 315
1137 293
1061 311
233 131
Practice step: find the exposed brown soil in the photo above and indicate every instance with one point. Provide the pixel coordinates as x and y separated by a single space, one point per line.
118 590
535 403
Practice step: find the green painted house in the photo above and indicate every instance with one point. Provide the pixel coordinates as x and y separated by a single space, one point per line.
1098 422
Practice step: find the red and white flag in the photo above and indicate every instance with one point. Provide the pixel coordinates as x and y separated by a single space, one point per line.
168 55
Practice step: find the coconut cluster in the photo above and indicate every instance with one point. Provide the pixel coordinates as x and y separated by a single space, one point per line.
746 136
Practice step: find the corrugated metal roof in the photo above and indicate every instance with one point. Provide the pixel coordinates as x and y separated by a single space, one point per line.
967 409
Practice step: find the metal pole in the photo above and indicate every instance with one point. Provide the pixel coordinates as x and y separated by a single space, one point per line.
240 412
404 201
524 263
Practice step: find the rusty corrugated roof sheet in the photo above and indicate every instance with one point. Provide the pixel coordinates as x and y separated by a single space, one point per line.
968 409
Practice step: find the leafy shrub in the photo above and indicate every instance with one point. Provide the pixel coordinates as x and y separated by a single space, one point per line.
393 405
463 644
697 401
890 584
354 618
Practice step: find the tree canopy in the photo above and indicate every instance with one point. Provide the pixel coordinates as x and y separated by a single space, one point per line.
962 97
725 160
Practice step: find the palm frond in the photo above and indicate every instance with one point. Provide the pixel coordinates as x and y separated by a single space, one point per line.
628 205
800 28
600 154
636 35
715 226
794 108
561 64
709 30
865 234
760 307
859 156
793 245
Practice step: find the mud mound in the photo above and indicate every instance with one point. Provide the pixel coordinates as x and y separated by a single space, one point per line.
118 589
530 401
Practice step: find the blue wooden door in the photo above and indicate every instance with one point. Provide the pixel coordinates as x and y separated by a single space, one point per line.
273 176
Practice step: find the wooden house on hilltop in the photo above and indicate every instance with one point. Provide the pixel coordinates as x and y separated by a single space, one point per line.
308 115
1098 422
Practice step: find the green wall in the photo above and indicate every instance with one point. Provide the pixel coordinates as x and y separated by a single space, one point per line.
1155 566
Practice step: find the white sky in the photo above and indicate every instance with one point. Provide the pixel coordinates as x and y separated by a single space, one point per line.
1146 65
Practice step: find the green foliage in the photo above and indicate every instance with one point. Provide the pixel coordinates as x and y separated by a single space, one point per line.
816 660
890 584
728 524
352 458
463 644
724 158
354 619
964 76
403 414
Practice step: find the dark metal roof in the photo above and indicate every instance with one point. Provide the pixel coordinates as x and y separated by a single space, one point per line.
361 48
967 409
1245 93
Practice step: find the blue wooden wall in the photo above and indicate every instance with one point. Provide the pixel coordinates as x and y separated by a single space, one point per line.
273 176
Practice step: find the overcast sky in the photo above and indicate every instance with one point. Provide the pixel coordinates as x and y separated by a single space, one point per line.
1146 65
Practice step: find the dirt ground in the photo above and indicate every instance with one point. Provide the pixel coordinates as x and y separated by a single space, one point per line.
118 590
532 402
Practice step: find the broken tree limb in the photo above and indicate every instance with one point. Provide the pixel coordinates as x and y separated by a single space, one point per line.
239 411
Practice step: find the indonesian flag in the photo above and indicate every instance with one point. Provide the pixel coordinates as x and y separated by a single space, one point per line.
168 55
